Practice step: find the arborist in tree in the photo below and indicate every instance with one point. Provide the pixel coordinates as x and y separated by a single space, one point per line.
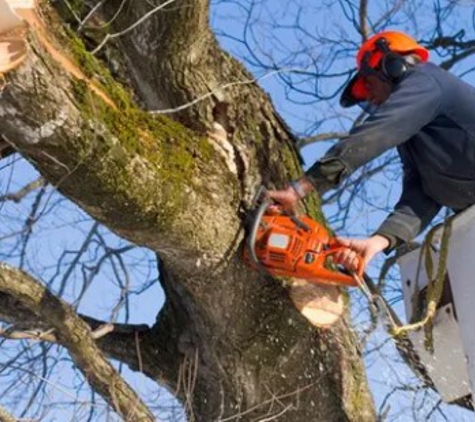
424 111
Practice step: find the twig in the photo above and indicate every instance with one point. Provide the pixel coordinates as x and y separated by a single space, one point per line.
19 195
131 27
90 14
71 9
277 415
251 409
223 87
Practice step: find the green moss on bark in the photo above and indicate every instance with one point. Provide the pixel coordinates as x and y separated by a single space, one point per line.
171 149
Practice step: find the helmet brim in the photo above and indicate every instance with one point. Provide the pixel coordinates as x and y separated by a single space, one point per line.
355 91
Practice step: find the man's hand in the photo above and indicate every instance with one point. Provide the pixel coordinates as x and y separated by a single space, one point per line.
288 198
365 248
292 194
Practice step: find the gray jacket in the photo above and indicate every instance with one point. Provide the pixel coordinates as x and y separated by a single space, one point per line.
430 118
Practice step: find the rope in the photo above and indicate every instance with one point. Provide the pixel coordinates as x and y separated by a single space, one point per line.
435 286
434 289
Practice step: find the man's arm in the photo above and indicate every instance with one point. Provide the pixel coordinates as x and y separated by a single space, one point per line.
413 212
414 103
411 215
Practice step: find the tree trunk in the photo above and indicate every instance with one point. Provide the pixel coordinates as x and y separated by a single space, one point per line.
228 342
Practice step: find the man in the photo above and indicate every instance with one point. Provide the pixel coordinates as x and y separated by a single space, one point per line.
424 111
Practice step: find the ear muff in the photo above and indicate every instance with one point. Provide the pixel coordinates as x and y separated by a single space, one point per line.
393 65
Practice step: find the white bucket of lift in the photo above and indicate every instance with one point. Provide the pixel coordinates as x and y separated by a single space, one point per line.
452 364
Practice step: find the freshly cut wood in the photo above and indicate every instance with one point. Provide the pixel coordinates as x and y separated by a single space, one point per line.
13 48
322 305
9 19
21 4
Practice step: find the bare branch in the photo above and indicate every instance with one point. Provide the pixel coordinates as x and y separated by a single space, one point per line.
19 195
74 334
364 19
131 27
91 13
219 90
28 335
457 58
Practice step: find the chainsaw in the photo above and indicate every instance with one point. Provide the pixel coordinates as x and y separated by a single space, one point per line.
289 246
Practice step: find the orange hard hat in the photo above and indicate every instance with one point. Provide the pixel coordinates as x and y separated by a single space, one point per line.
370 56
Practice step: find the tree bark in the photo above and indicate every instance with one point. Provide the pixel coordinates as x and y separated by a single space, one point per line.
228 342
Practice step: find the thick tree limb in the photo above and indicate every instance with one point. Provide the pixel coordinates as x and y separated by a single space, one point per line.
118 343
75 336
142 188
185 65
188 46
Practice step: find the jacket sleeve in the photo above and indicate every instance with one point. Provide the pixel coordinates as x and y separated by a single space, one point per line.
413 212
414 103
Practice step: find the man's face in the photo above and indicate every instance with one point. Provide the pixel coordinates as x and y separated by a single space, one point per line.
378 89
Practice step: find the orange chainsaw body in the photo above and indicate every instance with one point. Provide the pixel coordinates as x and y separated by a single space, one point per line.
298 247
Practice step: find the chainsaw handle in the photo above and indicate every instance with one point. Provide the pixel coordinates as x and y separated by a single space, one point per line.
297 221
251 240
335 247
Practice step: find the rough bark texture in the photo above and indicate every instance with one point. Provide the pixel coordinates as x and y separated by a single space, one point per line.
228 342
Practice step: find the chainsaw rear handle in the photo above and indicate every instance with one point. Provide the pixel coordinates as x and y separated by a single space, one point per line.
335 247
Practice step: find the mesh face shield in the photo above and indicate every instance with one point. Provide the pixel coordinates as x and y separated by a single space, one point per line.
355 92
